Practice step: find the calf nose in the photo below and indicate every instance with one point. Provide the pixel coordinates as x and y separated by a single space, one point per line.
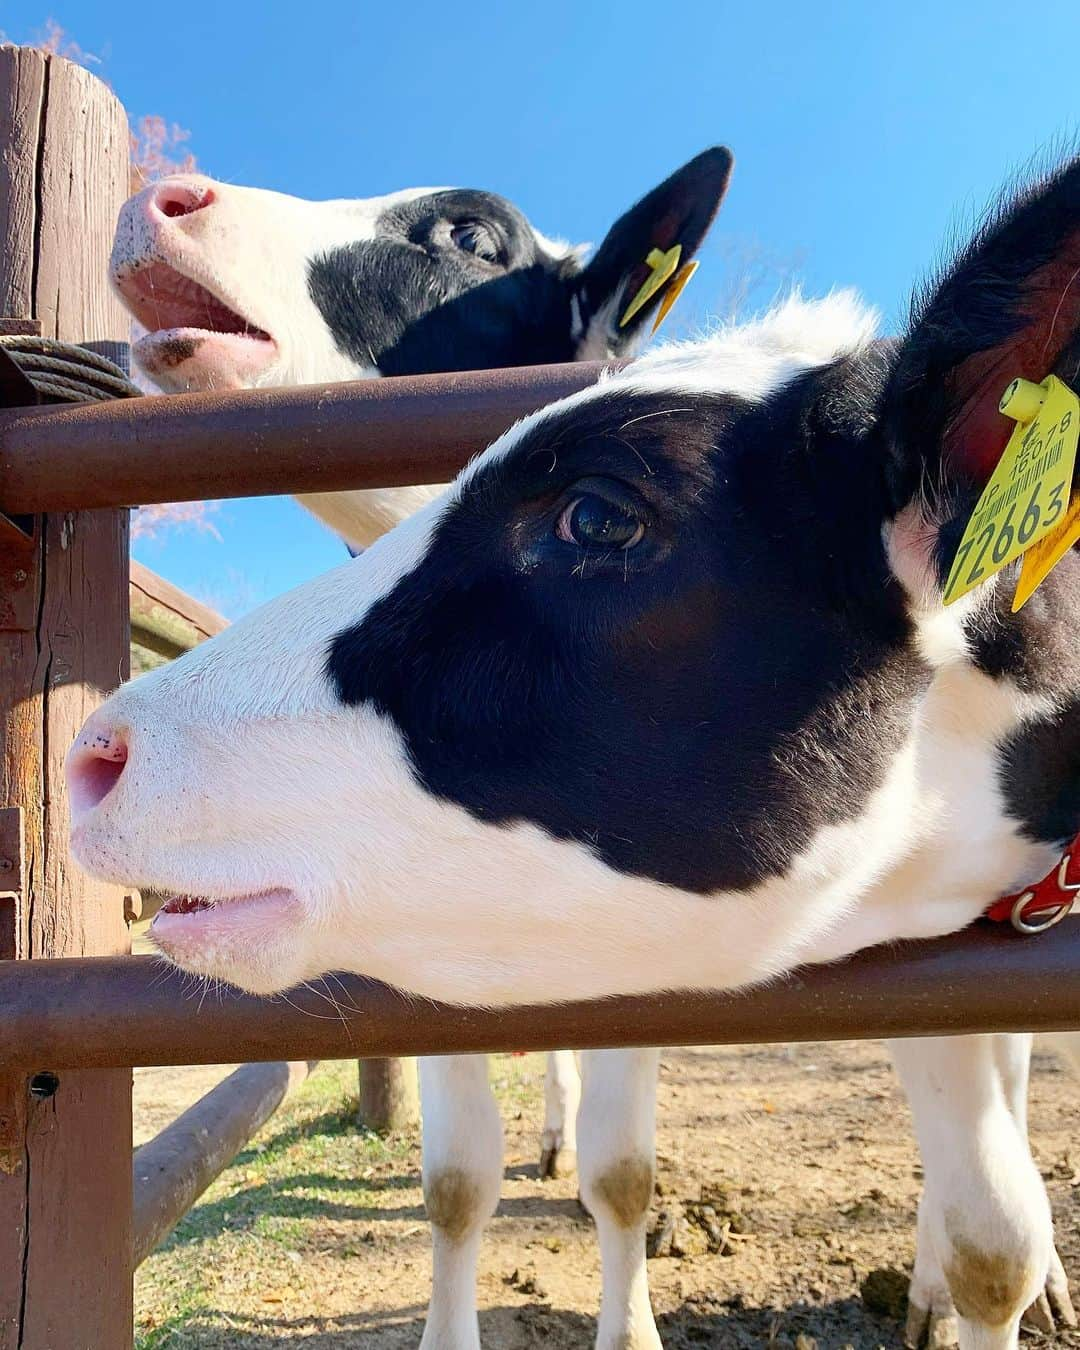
180 196
95 764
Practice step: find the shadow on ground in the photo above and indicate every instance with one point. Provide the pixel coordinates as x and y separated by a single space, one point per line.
291 1198
842 1323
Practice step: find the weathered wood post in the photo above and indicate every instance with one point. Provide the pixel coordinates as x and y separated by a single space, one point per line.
389 1095
65 1138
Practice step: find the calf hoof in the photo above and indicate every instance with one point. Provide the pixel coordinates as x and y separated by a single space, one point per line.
1053 1309
932 1324
556 1160
931 1319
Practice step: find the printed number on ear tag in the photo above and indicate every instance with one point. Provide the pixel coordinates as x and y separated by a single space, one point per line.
1027 496
663 267
1041 559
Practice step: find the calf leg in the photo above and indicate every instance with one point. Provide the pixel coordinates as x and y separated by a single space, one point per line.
985 1231
562 1097
617 1164
1012 1055
462 1169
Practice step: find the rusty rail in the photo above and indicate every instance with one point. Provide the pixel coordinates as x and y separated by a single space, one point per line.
103 1012
318 438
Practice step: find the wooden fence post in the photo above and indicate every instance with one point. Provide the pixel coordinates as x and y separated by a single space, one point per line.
389 1095
65 1138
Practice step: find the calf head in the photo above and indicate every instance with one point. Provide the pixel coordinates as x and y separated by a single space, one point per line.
661 692
238 287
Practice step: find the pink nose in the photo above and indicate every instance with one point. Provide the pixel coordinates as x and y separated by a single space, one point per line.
180 196
95 765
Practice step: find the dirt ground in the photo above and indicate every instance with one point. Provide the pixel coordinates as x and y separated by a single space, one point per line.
316 1234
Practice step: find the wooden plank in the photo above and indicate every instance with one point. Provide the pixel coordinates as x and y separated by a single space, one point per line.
173 1169
22 95
160 609
65 1197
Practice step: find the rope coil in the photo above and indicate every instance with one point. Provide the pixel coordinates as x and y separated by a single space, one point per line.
65 373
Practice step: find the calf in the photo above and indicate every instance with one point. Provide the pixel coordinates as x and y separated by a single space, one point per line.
678 663
238 288
235 287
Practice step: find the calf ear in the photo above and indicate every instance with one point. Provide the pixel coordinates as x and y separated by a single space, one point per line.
1010 305
680 212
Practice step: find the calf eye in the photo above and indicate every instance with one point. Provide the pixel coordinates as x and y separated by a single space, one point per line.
594 522
473 236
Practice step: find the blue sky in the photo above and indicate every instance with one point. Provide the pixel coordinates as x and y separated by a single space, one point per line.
865 137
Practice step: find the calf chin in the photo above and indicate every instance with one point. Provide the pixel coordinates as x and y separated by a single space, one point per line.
262 954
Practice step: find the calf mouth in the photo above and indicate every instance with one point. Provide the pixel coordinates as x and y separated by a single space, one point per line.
182 316
187 926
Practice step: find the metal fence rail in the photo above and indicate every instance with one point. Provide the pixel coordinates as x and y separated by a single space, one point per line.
318 438
95 1013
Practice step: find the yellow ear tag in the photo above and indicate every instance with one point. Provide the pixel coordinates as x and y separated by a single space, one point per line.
663 266
1027 496
678 285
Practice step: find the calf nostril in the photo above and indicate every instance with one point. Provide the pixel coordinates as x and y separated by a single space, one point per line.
181 199
94 770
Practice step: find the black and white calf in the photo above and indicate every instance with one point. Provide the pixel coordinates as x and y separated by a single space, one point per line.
238 287
660 694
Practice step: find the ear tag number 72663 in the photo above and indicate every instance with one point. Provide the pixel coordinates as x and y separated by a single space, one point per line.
1028 492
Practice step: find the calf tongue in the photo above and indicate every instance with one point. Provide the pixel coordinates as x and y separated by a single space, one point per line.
186 904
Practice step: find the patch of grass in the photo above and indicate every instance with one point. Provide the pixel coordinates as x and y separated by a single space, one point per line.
156 1334
310 1185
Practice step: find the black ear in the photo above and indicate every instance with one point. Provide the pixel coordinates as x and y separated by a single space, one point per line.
679 211
1010 305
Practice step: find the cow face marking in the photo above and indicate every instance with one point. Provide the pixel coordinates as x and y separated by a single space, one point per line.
628 695
452 280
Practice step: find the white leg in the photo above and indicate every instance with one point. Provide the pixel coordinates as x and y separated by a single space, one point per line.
462 1168
1054 1306
562 1097
1012 1055
617 1163
984 1215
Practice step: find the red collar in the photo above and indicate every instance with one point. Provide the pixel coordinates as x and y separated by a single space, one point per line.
1048 901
